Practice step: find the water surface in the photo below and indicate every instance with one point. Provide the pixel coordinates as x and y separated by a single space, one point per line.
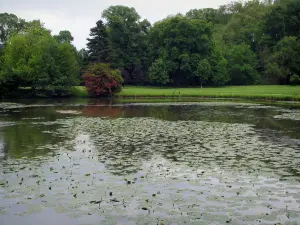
103 162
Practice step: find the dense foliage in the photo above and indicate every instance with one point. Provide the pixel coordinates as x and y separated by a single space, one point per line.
256 42
34 59
101 80
98 48
127 35
10 24
242 43
183 45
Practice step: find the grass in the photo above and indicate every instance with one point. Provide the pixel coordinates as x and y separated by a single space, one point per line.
79 91
269 92
294 104
260 92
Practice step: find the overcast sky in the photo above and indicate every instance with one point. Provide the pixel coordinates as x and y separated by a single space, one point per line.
78 16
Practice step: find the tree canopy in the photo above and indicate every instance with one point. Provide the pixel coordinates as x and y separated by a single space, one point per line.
64 36
241 43
10 24
98 45
35 59
127 39
181 43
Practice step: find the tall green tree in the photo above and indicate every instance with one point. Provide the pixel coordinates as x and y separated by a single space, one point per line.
183 43
204 71
284 60
159 72
64 36
10 24
246 24
98 43
242 64
283 20
127 39
218 64
33 58
207 14
83 58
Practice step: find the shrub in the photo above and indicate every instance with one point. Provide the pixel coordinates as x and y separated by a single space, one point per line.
101 80
102 68
101 85
295 79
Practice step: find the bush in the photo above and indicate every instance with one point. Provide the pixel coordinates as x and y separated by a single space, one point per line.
103 68
101 85
294 80
101 80
51 91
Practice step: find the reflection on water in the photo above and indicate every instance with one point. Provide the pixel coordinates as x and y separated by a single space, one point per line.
27 140
149 163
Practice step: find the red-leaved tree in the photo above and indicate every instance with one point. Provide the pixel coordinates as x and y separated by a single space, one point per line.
101 82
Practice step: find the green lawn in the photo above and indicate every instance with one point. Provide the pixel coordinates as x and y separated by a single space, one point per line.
79 91
247 92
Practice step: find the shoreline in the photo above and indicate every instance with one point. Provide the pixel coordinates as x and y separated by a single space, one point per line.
200 97
260 93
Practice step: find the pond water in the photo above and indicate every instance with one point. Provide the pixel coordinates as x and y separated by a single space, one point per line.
78 162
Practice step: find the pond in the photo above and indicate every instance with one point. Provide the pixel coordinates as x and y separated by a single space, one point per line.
109 162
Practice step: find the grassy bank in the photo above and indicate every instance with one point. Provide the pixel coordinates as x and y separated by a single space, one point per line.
79 91
270 92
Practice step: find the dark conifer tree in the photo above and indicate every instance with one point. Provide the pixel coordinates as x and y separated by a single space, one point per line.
98 45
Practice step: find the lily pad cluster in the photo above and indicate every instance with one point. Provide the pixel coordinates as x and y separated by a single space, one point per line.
290 116
151 171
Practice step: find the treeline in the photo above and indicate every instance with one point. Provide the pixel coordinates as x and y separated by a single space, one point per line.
34 62
256 42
